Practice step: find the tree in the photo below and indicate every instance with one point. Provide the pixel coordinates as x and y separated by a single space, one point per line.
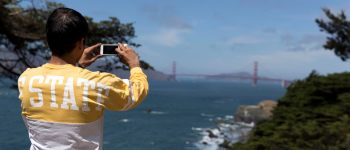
23 37
314 114
339 30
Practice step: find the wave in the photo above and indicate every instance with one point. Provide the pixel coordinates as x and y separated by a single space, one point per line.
207 115
229 117
123 120
156 112
246 124
106 142
219 118
210 138
210 119
198 129
8 93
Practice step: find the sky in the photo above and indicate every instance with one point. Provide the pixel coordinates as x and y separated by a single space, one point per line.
226 36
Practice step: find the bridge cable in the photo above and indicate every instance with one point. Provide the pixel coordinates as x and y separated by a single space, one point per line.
180 66
275 75
242 68
166 69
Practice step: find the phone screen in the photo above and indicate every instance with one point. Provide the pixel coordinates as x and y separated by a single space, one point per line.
109 49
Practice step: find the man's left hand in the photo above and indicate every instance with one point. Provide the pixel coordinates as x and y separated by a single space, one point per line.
87 58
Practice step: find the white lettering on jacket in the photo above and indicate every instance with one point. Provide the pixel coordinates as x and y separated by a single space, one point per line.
53 83
99 96
40 94
68 89
23 79
85 91
68 95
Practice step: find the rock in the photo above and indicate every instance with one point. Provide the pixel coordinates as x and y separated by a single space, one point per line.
148 111
245 136
211 134
205 143
232 128
267 106
248 114
245 133
219 122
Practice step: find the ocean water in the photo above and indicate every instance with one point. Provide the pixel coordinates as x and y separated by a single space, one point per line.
181 111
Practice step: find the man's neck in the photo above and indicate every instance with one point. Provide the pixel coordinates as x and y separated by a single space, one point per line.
62 60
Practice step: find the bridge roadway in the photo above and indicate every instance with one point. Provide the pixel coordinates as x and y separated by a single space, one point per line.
255 77
238 77
284 82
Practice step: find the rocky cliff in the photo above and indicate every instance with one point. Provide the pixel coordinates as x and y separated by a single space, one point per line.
260 112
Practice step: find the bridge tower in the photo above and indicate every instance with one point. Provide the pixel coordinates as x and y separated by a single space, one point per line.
284 83
174 71
255 74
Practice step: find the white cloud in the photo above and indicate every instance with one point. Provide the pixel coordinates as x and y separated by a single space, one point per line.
307 42
292 57
298 64
165 16
281 64
244 40
149 51
166 37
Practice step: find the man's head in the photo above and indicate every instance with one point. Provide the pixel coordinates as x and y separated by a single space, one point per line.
65 28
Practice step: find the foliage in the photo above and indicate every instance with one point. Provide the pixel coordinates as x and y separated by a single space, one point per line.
339 30
23 37
314 114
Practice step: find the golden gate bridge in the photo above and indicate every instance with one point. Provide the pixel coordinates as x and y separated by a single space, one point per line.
255 77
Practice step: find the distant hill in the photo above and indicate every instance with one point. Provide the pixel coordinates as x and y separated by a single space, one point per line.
239 74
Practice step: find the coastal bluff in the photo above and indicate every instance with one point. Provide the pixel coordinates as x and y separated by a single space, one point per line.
255 113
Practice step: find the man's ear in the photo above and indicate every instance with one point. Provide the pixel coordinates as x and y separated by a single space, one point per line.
81 44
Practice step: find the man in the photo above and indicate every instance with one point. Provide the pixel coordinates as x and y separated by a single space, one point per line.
62 104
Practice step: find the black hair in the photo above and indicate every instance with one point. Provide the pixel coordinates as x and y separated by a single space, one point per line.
64 28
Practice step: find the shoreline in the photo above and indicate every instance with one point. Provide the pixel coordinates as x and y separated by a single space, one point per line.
226 130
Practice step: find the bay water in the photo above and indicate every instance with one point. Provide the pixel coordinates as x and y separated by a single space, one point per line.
179 109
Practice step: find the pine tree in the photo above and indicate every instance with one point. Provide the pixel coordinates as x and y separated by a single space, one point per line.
313 114
339 30
23 37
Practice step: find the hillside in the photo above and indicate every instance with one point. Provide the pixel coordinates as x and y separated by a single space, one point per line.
238 74
313 114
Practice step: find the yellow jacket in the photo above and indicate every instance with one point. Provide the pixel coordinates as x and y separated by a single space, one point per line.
62 105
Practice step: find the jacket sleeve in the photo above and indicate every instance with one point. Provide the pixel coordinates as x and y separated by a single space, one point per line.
122 95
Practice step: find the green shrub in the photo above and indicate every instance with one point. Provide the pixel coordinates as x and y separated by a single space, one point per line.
314 114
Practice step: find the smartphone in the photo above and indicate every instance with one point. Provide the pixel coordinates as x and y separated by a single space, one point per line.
108 49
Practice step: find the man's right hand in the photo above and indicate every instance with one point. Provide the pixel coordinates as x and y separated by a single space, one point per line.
128 56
